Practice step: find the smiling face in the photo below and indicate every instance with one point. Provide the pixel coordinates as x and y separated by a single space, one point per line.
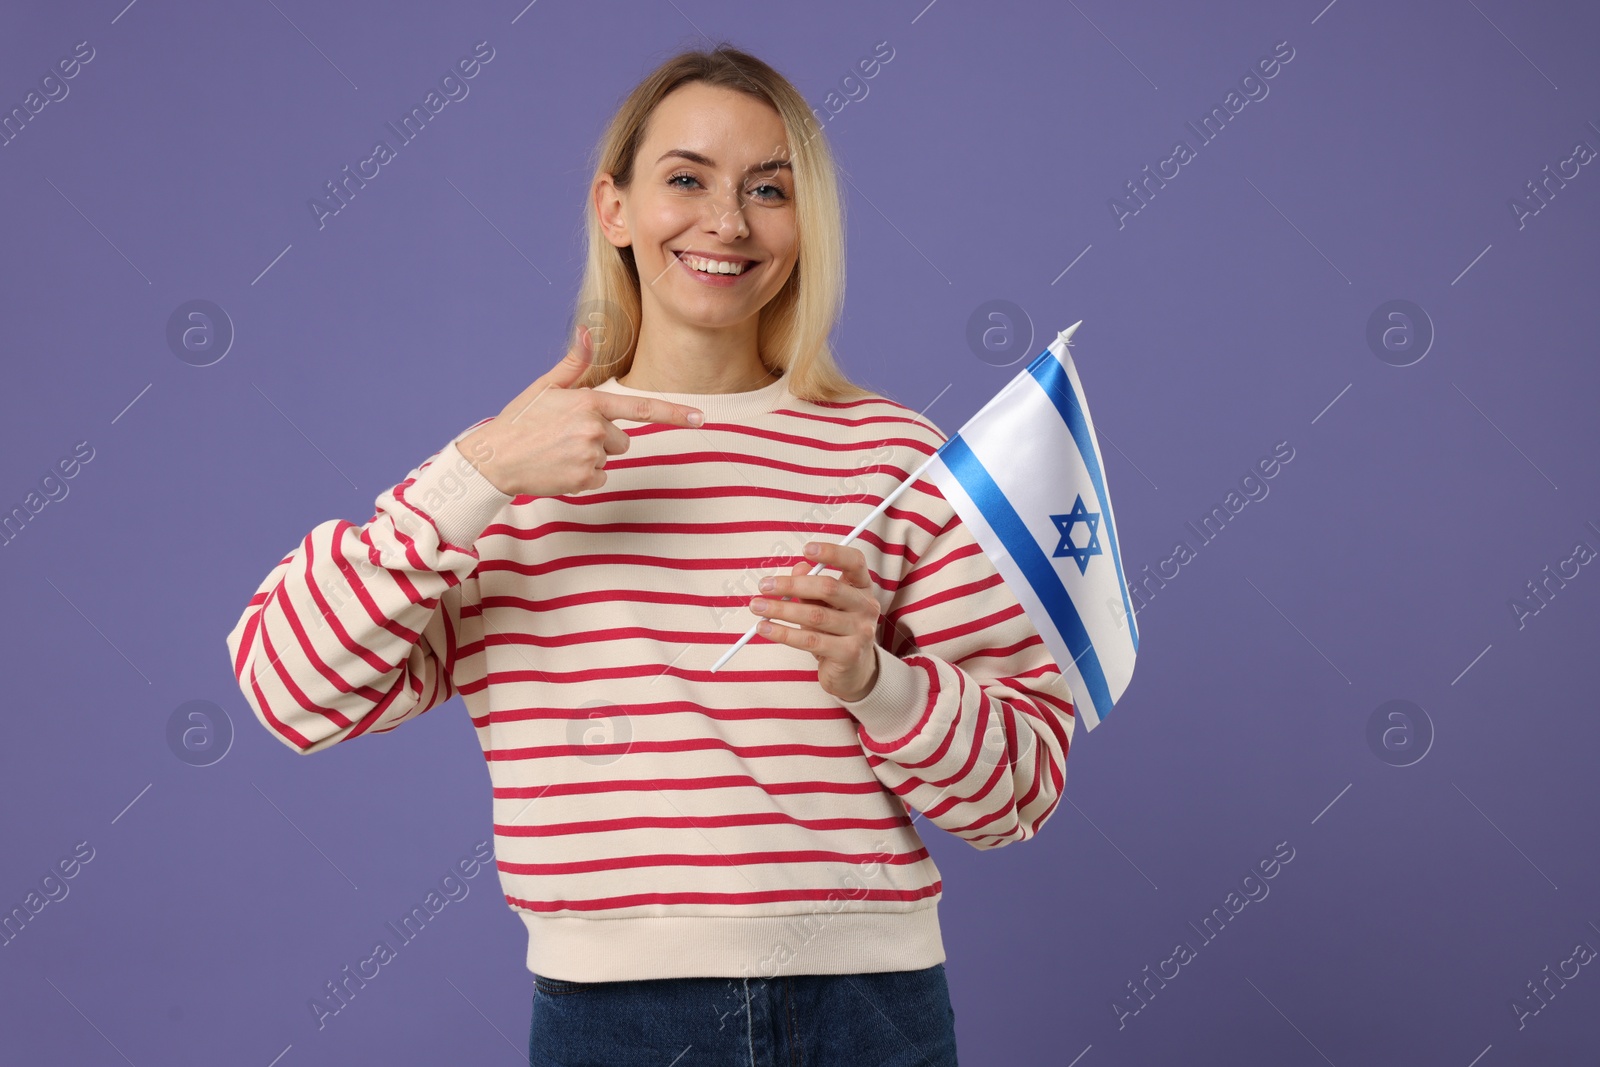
712 180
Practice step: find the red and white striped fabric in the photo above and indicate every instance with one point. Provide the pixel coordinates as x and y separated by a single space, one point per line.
737 823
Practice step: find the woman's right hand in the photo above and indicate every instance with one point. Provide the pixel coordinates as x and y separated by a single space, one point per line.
552 440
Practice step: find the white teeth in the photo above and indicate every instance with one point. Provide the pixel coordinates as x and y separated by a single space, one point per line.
713 266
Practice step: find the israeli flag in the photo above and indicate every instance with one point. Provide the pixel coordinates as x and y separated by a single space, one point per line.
1026 477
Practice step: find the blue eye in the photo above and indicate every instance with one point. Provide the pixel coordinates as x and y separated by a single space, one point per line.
776 189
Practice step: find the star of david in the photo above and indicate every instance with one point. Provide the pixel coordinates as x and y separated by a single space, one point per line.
1068 547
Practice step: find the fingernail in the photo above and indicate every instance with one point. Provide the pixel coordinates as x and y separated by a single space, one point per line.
767 585
696 418
812 550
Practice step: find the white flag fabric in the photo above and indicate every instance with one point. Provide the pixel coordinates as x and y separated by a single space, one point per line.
1026 477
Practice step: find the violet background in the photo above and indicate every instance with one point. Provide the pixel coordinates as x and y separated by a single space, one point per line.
1228 315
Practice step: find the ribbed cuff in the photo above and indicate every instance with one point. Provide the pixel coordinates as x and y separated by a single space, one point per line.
895 706
457 497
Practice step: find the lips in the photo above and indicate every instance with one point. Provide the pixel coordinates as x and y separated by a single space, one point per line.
716 281
747 261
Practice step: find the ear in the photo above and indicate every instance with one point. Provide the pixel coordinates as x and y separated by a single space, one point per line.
608 203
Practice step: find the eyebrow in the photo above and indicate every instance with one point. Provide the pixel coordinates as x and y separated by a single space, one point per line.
705 161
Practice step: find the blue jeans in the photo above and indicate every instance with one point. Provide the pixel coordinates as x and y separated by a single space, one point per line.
881 1019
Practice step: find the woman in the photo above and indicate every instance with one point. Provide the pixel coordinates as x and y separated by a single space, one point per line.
714 867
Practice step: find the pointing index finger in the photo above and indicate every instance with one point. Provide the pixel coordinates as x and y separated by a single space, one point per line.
619 408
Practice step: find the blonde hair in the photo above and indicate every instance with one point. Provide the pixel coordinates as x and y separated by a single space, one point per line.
793 330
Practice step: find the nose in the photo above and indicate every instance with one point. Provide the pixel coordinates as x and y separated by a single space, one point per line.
728 214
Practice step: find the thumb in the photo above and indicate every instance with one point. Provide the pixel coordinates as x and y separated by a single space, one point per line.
573 364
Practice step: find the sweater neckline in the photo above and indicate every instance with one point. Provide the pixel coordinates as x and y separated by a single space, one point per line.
719 407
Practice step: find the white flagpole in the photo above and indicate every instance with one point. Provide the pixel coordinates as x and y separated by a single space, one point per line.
1064 336
860 526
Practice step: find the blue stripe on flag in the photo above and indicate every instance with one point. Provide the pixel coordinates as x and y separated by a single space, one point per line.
1052 378
958 457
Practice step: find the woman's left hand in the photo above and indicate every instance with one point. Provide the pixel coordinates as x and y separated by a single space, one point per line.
836 618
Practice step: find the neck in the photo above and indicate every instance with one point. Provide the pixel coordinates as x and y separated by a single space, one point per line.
681 358
649 383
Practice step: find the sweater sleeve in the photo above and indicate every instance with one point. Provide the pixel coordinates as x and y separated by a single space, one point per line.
970 718
356 629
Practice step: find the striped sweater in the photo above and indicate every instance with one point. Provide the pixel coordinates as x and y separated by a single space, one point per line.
653 818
